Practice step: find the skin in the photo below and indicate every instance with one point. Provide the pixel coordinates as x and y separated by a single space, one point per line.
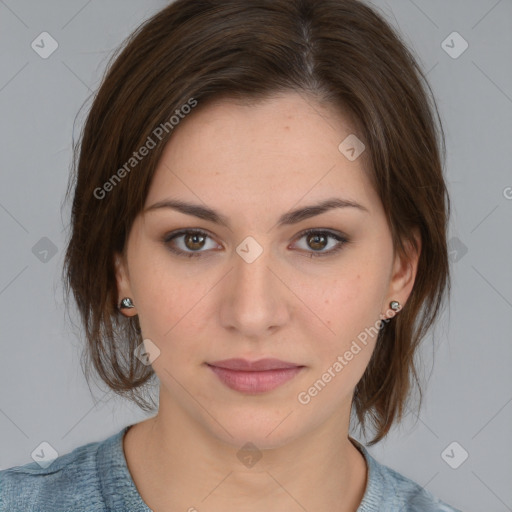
253 164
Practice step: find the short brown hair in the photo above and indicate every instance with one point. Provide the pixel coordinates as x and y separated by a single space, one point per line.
340 52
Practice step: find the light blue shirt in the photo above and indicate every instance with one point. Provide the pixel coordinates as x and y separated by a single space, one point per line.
95 478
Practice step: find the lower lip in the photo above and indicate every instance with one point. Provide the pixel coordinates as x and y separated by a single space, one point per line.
255 382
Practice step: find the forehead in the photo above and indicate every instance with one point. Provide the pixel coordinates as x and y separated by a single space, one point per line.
283 150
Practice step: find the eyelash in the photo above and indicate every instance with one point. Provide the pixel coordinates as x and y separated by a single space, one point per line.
342 241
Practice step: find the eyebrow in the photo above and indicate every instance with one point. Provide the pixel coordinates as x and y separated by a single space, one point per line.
289 218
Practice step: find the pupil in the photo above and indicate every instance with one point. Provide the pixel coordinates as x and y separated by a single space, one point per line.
313 237
194 237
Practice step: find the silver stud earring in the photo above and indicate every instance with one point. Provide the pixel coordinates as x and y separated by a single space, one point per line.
394 305
126 303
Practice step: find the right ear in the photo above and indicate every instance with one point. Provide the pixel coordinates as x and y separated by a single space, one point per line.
123 283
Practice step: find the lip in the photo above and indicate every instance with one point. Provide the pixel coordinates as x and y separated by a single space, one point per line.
254 377
253 366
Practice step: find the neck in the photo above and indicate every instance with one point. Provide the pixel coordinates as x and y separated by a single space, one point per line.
176 464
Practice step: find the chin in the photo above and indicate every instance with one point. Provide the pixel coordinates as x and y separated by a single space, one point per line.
265 431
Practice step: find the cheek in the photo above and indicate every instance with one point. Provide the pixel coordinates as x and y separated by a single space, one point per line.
171 309
162 297
166 306
352 303
351 308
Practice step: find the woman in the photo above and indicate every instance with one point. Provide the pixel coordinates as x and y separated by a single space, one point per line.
259 221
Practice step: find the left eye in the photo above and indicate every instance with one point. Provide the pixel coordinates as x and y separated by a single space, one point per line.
194 241
316 238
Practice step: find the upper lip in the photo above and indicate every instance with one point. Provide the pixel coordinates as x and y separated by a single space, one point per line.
253 366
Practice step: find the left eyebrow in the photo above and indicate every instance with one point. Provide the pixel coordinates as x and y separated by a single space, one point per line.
289 218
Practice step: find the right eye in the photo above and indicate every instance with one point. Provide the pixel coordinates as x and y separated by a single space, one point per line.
190 238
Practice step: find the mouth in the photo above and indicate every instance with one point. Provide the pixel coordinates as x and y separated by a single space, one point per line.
253 366
254 377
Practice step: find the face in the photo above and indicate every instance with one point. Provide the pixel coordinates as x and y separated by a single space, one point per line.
250 286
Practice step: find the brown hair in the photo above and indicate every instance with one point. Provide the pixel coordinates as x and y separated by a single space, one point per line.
340 52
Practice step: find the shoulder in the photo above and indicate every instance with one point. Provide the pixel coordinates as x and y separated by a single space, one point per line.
69 482
410 495
389 490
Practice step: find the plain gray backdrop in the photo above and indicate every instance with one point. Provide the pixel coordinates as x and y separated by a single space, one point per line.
467 410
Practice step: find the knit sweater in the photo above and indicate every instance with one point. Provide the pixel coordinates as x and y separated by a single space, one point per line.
95 478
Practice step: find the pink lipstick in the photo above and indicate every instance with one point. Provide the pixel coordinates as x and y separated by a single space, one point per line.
254 376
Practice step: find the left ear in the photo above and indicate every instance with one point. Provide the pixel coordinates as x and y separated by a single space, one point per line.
404 272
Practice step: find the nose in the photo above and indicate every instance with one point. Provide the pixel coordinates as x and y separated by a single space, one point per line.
255 298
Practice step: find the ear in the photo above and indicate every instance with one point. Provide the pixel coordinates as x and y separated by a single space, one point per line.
123 283
404 273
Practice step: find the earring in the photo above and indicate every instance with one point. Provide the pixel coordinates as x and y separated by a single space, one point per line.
395 305
126 303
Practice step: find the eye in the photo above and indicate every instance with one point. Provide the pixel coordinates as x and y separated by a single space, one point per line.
193 240
318 240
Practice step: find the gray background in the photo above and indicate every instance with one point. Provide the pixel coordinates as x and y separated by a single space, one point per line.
43 394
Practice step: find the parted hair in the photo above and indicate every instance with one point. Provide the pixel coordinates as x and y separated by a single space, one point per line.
342 53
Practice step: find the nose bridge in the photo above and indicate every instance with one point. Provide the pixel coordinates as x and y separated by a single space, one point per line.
255 299
253 278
